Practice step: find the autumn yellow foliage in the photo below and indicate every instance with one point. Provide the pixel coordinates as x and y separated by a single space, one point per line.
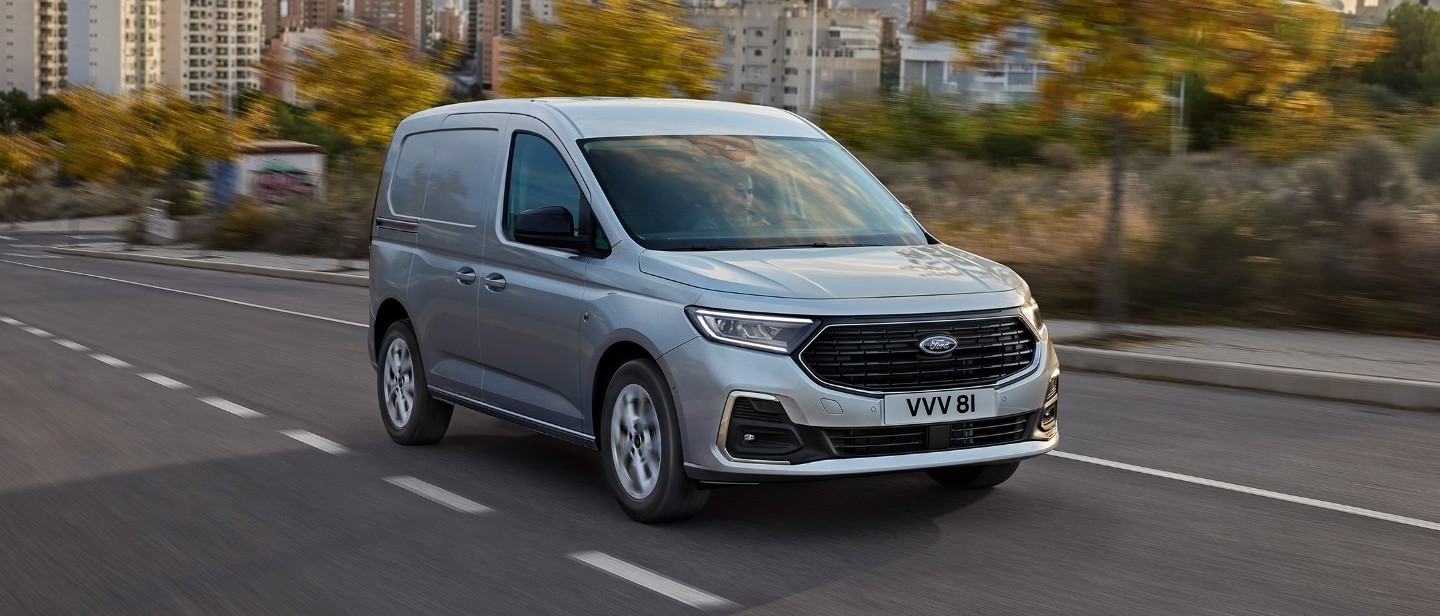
615 48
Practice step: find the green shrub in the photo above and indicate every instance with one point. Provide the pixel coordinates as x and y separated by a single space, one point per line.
244 226
1374 171
1427 156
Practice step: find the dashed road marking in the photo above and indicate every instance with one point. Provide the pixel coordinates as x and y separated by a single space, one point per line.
232 408
192 294
315 440
7 238
37 331
110 361
160 379
439 495
650 580
1289 498
73 346
30 256
10 321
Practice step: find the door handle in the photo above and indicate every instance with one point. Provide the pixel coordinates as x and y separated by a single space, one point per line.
496 282
466 276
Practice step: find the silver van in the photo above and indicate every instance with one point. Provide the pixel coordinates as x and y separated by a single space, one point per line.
707 293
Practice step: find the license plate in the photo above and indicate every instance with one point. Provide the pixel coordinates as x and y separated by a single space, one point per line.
939 406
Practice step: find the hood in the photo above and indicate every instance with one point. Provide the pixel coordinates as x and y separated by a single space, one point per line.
833 273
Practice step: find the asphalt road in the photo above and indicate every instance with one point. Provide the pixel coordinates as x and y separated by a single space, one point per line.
130 494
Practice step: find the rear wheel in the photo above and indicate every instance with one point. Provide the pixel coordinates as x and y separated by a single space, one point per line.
640 447
973 477
411 416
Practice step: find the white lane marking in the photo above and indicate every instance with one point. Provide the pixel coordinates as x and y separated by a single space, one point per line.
10 321
7 238
1299 500
688 595
30 256
192 294
315 440
37 331
439 495
232 408
110 361
73 346
160 379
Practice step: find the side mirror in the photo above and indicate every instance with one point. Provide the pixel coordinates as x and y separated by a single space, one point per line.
551 226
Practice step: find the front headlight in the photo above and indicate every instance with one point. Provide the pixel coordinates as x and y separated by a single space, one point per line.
754 331
1031 310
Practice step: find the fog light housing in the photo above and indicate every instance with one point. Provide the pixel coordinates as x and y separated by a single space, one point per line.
1050 417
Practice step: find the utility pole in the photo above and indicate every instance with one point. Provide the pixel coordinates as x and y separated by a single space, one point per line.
1177 130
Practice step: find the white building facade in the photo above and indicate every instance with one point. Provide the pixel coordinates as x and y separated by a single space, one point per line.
114 45
33 58
769 56
210 48
1002 78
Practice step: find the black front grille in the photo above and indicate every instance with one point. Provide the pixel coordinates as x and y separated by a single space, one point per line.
887 357
859 442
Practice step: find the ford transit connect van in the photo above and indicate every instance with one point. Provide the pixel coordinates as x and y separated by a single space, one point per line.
707 293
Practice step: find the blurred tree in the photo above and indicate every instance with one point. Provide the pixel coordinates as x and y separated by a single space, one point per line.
1119 59
1412 67
138 140
362 83
20 113
614 48
21 160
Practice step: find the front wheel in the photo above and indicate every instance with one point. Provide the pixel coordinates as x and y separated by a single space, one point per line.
973 477
640 447
411 415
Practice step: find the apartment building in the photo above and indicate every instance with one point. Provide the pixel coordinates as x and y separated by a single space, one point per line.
769 56
413 20
449 24
33 58
319 14
114 45
491 22
211 47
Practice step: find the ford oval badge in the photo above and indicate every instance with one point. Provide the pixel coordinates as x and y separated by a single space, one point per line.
938 345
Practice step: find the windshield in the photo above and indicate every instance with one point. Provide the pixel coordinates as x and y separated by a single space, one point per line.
731 193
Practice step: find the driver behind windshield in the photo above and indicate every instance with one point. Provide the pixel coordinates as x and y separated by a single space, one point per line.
732 200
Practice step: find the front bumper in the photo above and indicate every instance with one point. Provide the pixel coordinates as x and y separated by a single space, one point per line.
705 374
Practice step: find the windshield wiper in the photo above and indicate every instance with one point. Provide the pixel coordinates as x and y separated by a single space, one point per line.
705 247
817 245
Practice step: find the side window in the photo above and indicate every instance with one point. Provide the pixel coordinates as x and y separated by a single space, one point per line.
462 176
539 177
412 173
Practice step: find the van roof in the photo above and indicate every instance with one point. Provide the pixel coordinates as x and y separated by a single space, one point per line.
634 117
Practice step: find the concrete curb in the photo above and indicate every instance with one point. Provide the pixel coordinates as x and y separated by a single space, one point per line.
80 231
240 268
1332 385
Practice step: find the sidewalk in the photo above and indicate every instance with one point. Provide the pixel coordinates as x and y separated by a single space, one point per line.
353 272
99 225
1385 370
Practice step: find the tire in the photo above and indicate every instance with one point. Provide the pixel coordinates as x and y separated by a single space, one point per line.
400 363
973 477
640 447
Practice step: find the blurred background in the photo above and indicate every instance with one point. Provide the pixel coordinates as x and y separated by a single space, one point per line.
1259 162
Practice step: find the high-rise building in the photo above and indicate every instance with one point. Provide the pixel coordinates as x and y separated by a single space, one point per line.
319 14
211 47
769 56
448 22
494 20
114 45
33 58
413 20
